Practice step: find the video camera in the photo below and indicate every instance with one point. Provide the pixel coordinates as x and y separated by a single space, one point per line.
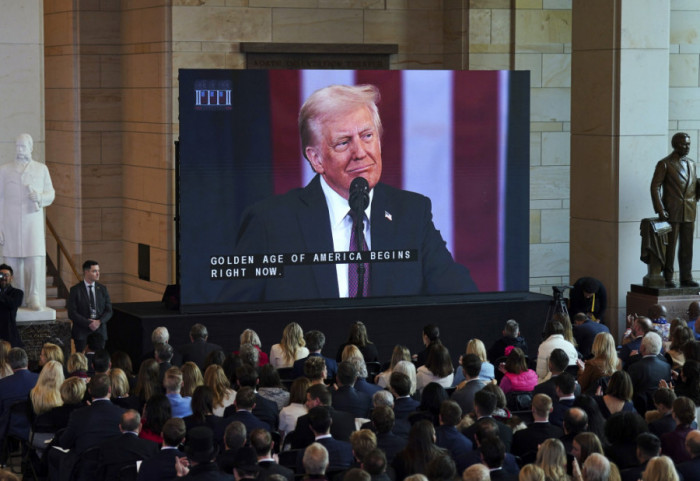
558 292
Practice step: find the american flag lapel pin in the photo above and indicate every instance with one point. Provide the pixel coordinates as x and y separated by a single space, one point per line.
388 216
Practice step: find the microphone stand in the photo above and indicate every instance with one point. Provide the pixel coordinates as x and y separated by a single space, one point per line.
359 226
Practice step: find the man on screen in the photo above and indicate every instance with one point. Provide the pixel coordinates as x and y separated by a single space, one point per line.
340 133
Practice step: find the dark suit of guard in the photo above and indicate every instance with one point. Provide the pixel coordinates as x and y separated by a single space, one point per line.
298 221
79 311
674 190
10 300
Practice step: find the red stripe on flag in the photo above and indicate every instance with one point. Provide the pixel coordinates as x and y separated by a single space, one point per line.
285 100
476 165
390 109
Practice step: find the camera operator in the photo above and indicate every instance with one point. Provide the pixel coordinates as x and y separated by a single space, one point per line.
10 300
589 297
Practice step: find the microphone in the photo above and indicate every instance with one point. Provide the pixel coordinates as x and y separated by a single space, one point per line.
359 195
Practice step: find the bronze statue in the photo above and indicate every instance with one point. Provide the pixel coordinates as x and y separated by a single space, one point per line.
674 193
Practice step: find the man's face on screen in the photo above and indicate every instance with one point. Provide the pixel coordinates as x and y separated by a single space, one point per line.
349 147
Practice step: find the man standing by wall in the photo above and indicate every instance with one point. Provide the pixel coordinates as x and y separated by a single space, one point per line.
10 300
25 189
89 306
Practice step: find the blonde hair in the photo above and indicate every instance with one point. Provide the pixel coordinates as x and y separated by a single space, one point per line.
73 390
216 379
249 336
349 351
551 457
605 353
191 378
475 346
120 384
660 468
409 369
77 362
5 369
46 394
52 352
292 340
568 328
531 472
400 353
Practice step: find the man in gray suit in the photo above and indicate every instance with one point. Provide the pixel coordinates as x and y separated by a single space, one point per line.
674 193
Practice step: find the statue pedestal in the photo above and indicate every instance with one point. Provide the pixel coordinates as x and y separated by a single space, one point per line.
30 315
675 300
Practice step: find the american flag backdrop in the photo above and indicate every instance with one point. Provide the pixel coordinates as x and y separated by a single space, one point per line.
458 137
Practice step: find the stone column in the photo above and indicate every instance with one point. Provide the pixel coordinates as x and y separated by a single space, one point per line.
619 130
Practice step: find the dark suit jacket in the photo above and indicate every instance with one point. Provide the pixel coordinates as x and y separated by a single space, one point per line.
690 470
12 389
161 466
350 400
504 432
673 444
265 410
208 472
585 334
79 309
391 444
197 352
680 188
122 450
549 389
298 221
633 473
339 454
626 350
343 425
527 440
559 409
404 406
455 442
663 425
268 468
645 375
366 387
10 300
331 366
90 425
249 420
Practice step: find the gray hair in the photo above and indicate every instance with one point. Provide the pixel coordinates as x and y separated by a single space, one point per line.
383 398
596 468
160 335
652 343
17 357
315 460
360 366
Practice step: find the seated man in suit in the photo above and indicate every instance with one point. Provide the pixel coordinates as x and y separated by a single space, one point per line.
201 450
89 305
198 348
265 410
585 330
690 470
244 405
124 449
15 388
447 435
346 397
471 367
162 465
673 443
404 404
315 462
261 441
343 423
339 452
485 428
575 422
315 340
648 371
340 131
632 339
315 369
648 446
664 422
493 455
565 384
558 362
235 437
383 424
526 441
484 406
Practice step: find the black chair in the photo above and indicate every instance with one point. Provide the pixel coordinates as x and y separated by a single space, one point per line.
373 368
519 400
15 439
450 390
286 373
277 441
289 458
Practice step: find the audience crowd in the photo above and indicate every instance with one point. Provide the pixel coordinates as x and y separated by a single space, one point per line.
584 409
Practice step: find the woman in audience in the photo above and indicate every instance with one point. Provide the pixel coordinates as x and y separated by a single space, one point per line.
249 336
583 445
660 468
437 368
297 406
50 352
271 387
148 381
691 350
202 413
400 353
688 382
290 348
358 337
554 339
46 394
121 360
531 472
430 401
191 378
120 390
618 395
604 363
419 451
155 413
516 375
72 393
475 346
621 430
409 369
674 353
5 369
551 457
77 366
223 395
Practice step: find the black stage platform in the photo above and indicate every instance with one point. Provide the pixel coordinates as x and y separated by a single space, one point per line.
459 320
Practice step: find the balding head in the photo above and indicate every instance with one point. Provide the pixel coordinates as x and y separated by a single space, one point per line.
692 443
641 326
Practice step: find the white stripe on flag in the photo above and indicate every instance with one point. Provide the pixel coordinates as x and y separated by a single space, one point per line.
427 142
312 80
